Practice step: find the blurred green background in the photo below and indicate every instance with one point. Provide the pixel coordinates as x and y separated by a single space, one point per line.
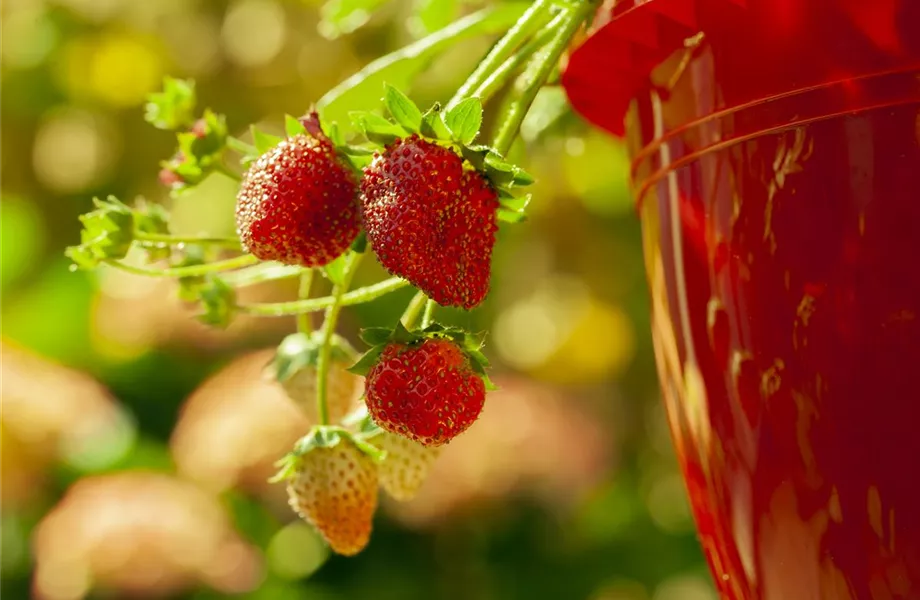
136 442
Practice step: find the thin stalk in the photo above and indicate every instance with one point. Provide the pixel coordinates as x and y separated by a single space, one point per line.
189 271
428 317
164 238
306 282
327 332
260 273
497 79
537 74
534 18
296 307
238 145
410 316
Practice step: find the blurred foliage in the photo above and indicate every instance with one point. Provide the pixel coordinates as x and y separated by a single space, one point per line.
98 369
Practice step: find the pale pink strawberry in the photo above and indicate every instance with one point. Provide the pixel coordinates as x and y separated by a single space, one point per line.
335 490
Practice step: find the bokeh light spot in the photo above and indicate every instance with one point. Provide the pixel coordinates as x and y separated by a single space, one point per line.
243 19
296 551
29 36
73 150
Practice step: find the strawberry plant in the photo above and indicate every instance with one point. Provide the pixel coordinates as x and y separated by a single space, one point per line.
420 189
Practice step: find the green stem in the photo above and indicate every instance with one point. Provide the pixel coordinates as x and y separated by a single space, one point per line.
497 78
413 310
189 271
296 307
224 169
538 72
260 273
534 18
328 332
238 145
306 282
428 317
163 238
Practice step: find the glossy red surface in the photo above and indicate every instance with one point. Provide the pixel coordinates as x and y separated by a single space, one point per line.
770 46
782 233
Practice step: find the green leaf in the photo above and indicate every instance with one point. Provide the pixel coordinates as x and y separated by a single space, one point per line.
400 68
339 17
335 271
433 124
431 15
403 110
374 336
293 127
172 108
464 120
264 141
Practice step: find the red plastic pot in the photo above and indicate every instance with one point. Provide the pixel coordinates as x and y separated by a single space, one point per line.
776 163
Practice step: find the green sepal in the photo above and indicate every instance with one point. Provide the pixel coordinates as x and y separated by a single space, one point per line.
402 109
363 365
335 270
374 336
322 436
263 141
189 286
433 124
218 300
299 351
375 127
464 120
360 421
359 246
510 216
333 132
174 107
293 126
153 218
107 234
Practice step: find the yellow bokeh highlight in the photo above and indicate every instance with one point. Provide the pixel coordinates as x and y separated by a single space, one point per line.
118 69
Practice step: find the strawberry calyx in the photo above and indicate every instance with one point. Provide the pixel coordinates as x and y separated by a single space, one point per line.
378 338
456 128
300 350
323 436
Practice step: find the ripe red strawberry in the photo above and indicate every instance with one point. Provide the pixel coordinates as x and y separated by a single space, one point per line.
406 465
431 219
297 203
427 392
335 490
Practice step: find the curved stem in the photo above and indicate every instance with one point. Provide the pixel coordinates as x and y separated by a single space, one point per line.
327 332
429 313
190 271
411 315
498 77
539 71
358 296
241 147
532 19
165 238
260 273
306 282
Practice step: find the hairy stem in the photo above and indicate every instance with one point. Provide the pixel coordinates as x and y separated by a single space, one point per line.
260 273
189 271
413 310
174 240
534 18
296 307
327 332
538 72
306 282
429 313
497 78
